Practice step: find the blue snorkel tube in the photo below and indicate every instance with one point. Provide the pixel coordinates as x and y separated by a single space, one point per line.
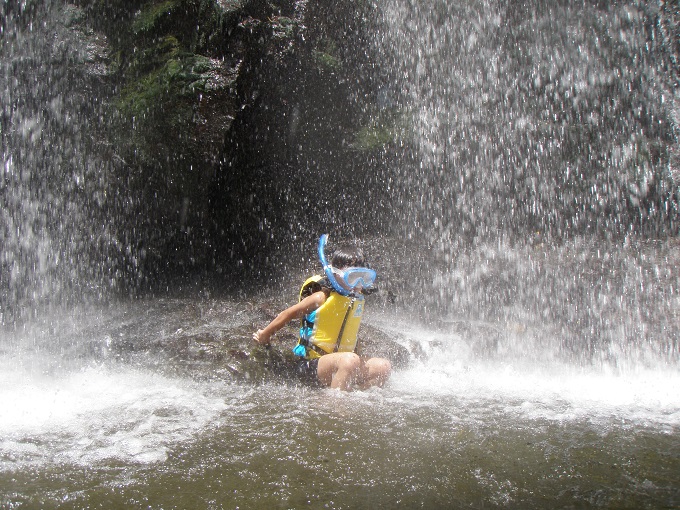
327 268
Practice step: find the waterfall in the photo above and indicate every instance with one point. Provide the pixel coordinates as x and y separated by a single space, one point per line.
535 173
59 227
553 117
517 186
540 185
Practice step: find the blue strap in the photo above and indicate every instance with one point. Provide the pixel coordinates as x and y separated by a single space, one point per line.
300 350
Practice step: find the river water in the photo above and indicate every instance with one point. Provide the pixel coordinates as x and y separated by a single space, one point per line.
83 427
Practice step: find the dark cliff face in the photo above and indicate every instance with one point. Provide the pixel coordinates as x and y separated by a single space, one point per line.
234 128
150 141
145 141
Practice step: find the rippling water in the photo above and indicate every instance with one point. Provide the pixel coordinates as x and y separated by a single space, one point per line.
450 430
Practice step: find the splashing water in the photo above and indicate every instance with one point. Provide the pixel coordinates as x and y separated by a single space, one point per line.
550 117
544 368
100 415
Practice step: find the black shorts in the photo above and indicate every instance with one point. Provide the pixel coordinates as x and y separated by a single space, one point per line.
306 370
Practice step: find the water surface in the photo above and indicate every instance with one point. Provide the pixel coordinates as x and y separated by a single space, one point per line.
450 430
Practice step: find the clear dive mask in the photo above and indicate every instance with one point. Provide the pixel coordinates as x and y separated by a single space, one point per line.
345 281
354 277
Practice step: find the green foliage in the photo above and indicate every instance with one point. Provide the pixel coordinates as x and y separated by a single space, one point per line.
229 5
283 27
325 58
373 136
180 76
149 17
382 129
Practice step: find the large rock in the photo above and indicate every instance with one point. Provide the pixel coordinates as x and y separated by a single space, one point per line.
212 338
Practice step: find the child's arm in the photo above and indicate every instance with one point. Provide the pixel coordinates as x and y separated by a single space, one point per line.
297 311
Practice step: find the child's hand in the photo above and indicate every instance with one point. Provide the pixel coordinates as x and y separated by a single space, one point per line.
260 338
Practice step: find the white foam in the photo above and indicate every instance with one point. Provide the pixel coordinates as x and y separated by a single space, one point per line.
549 390
556 393
99 414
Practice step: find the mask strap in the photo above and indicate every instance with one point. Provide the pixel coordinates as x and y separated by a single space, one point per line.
327 267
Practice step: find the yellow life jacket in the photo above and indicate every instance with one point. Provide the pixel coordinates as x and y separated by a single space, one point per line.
332 327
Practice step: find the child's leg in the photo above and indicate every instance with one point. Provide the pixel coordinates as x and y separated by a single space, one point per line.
339 370
375 372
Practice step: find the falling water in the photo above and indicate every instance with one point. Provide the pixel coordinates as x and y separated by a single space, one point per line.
551 117
542 174
59 243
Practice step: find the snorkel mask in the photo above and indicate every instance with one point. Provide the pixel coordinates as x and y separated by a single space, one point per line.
344 281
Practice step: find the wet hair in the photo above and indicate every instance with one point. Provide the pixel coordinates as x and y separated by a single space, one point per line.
348 256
